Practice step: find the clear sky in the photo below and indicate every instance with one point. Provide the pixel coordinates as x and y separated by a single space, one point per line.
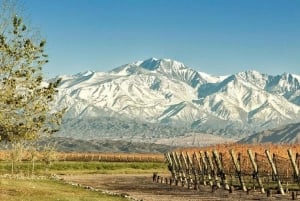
214 36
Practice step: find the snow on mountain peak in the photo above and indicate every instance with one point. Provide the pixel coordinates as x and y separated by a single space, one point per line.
171 69
287 85
150 64
296 76
254 77
162 64
86 73
251 75
212 79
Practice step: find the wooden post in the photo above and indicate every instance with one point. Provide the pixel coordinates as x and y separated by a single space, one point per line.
238 170
183 161
171 165
294 195
192 170
212 169
255 171
177 168
200 169
295 167
275 172
162 179
205 169
186 169
181 170
220 170
154 177
269 193
168 159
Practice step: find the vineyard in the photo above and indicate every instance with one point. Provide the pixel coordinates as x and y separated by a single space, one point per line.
233 166
89 157
110 157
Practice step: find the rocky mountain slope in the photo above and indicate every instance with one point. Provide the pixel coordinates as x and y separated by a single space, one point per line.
285 134
159 98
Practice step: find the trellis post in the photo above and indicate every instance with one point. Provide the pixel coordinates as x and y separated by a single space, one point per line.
178 173
200 168
213 172
274 172
221 170
238 170
194 171
255 171
171 165
183 177
205 168
187 169
295 167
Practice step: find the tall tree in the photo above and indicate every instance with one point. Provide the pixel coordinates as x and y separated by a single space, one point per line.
25 99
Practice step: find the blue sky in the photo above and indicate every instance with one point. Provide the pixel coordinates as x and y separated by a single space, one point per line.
214 36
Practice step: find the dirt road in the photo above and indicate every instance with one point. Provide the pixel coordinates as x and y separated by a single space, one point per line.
141 187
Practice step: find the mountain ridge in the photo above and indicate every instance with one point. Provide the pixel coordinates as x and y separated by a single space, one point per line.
289 134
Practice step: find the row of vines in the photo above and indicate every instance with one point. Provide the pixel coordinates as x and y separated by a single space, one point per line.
265 166
88 157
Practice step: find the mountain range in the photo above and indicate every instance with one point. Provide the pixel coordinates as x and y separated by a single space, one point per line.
148 100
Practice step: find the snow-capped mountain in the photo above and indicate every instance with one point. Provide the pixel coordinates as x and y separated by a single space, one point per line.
169 93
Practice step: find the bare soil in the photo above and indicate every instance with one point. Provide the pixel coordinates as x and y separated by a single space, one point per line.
142 188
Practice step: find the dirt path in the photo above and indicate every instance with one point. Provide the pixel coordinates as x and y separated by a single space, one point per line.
141 187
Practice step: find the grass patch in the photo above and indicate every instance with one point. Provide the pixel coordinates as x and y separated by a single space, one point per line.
52 190
67 167
48 190
107 167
